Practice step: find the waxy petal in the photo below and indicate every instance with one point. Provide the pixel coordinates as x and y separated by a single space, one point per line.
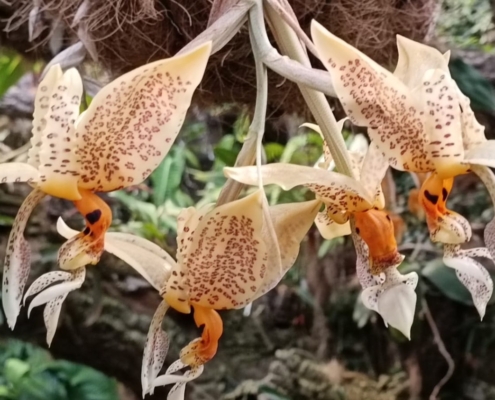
366 279
482 154
471 273
79 251
178 390
453 228
442 122
415 59
155 350
54 296
329 229
226 261
18 259
132 122
41 108
18 172
58 164
373 97
339 192
373 170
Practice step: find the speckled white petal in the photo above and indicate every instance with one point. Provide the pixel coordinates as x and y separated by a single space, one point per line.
58 163
41 108
471 274
373 97
17 262
18 172
482 154
452 229
178 390
132 122
373 170
64 230
363 272
329 229
155 350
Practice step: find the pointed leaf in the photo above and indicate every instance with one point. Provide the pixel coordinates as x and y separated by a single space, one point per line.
18 259
373 97
132 122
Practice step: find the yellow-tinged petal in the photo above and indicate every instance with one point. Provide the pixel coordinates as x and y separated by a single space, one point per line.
226 261
132 122
482 154
373 97
443 123
415 59
291 223
453 228
18 172
329 229
17 262
41 108
58 166
373 170
339 192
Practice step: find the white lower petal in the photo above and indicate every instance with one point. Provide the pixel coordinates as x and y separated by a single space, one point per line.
18 172
18 259
64 230
363 273
178 390
155 350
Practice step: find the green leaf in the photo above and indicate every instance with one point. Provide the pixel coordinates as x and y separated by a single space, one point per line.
227 156
473 85
142 210
14 369
445 280
12 68
273 151
167 177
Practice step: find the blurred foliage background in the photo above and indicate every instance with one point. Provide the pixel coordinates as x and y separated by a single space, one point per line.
311 337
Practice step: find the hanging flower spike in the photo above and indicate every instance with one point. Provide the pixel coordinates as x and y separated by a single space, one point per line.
117 142
227 257
148 259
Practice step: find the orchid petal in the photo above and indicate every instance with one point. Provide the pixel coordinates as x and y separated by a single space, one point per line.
373 170
291 223
327 156
41 108
442 121
64 230
339 192
156 269
482 154
473 133
18 172
453 228
58 164
54 296
44 281
18 259
155 350
328 228
373 97
178 390
131 123
366 279
471 274
226 261
415 59
79 251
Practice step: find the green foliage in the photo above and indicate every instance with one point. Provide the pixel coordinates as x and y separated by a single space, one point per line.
12 68
473 85
29 373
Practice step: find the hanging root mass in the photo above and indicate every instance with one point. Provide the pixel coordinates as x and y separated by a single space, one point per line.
130 33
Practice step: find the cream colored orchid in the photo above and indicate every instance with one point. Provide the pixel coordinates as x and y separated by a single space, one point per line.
117 142
421 122
344 197
149 260
227 257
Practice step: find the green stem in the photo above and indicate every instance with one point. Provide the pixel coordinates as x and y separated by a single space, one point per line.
316 101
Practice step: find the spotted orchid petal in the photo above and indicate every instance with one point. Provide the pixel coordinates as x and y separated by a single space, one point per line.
373 169
415 59
373 97
59 104
226 259
471 273
394 299
17 262
53 296
18 172
366 279
152 262
451 228
155 350
291 223
131 123
340 193
488 179
178 390
328 228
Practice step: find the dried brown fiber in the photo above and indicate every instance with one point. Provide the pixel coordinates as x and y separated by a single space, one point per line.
129 33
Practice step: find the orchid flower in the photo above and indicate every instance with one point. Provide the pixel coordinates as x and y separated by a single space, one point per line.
344 197
117 142
227 257
421 122
149 260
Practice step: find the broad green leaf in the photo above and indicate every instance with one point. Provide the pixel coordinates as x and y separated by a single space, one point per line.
14 369
227 156
12 67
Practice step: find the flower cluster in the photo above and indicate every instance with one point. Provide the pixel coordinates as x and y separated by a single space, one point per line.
231 254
